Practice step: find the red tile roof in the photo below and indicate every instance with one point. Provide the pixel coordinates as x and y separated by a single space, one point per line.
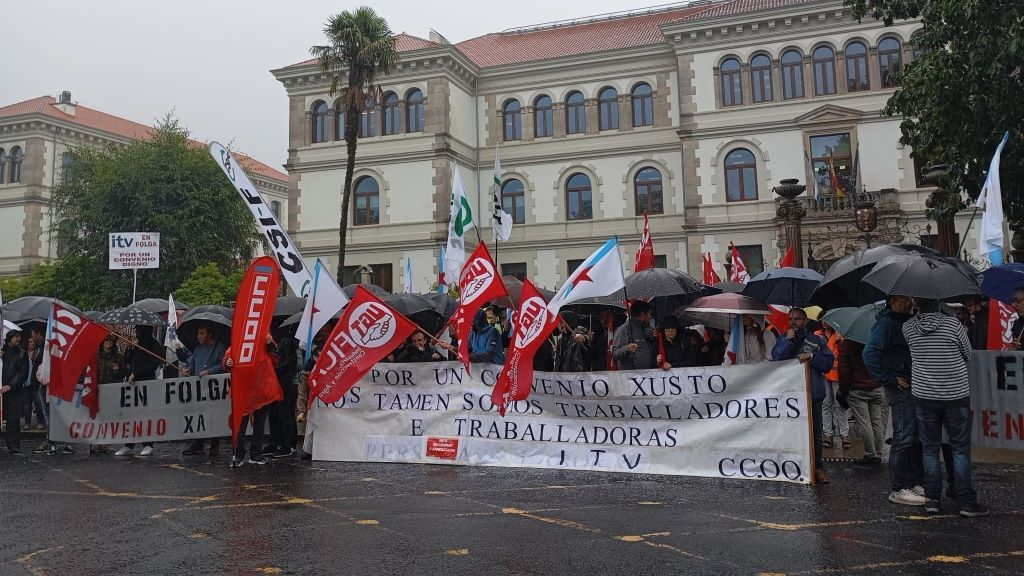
403 43
568 40
103 122
738 7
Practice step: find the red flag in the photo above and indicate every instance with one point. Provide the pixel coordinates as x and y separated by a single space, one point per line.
368 331
739 268
1000 325
779 316
253 381
478 284
534 323
74 346
645 255
91 388
710 276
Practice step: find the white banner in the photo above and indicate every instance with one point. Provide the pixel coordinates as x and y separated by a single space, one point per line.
997 399
285 251
150 411
738 422
134 250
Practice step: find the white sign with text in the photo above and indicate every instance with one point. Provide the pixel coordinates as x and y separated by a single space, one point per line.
134 250
738 422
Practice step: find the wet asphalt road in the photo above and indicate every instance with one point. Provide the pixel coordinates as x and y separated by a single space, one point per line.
78 516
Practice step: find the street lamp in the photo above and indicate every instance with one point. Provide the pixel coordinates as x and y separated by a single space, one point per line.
791 212
866 218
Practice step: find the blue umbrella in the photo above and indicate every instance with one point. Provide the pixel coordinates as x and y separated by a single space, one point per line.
854 323
784 286
999 282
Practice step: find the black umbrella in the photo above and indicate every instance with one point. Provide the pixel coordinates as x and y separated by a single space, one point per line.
514 286
655 282
783 286
409 304
288 305
377 291
224 311
920 276
292 320
444 304
731 287
842 284
158 305
130 316
34 309
216 322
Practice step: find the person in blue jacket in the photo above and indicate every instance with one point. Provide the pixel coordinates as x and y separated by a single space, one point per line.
799 343
485 340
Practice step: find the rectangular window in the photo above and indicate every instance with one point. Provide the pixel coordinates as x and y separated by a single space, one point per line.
660 261
275 209
515 269
379 274
832 162
571 266
753 258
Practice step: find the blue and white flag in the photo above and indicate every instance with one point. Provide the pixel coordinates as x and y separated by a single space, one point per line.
990 237
407 280
324 301
599 275
171 342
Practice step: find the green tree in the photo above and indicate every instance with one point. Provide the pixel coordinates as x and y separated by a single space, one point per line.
207 284
964 89
40 282
361 48
165 184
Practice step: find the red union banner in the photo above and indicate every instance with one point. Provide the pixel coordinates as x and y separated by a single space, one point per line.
1000 325
252 369
367 332
479 283
74 347
534 323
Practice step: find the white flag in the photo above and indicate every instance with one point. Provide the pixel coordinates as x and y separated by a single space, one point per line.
43 371
460 221
171 342
990 237
407 280
599 275
324 301
502 221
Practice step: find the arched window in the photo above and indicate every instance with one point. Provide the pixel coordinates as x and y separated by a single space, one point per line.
643 104
16 159
740 176
824 71
890 61
575 113
543 117
857 67
578 200
608 111
513 200
368 119
414 111
3 166
392 114
732 87
647 187
367 198
792 75
761 78
319 127
339 120
512 117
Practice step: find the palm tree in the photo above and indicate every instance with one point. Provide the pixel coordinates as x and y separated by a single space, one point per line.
361 48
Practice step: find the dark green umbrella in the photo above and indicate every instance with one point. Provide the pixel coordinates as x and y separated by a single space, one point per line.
854 323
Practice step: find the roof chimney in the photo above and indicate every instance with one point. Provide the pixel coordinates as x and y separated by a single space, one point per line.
64 103
436 37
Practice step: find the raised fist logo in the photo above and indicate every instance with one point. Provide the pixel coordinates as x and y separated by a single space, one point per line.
372 325
477 276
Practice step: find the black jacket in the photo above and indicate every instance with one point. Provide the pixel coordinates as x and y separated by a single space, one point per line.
15 371
143 365
887 355
676 353
413 354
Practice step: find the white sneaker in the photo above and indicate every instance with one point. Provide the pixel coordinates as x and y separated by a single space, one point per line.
124 451
919 490
907 497
146 451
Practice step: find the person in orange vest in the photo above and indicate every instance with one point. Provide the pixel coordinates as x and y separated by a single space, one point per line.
835 417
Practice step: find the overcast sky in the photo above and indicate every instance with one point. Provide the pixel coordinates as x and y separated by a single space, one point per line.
209 61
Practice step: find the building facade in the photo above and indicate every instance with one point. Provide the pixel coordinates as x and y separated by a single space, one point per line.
690 113
36 138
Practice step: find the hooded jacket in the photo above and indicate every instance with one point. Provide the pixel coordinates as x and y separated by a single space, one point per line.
15 372
821 357
485 342
940 350
887 355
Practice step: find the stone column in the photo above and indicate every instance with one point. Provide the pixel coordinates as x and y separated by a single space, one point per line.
558 115
332 124
591 108
791 211
625 112
307 136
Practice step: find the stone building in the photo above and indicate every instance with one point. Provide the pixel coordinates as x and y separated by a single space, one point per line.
35 139
691 113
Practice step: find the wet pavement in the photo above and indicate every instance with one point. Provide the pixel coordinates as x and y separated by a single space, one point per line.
78 515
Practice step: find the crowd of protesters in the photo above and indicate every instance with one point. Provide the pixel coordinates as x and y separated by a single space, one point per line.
913 371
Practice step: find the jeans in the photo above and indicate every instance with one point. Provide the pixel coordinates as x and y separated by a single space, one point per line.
819 454
906 468
835 417
867 407
13 404
37 401
955 417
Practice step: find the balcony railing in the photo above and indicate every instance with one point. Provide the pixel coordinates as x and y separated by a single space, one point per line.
834 205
